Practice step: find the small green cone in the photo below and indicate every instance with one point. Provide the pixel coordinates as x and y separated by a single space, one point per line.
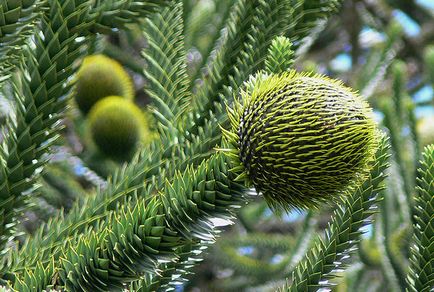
99 77
116 126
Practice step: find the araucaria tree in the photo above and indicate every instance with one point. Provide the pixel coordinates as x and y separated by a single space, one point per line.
238 123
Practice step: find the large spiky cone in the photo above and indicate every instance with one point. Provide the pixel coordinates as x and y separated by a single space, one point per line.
300 139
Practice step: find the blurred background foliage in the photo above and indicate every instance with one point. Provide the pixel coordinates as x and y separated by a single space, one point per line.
382 48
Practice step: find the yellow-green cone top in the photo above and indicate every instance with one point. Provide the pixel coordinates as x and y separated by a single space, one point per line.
99 77
117 126
300 139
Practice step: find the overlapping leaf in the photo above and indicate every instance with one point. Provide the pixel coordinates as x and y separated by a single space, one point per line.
421 274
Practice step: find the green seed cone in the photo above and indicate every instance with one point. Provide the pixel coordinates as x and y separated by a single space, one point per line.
99 77
300 139
116 126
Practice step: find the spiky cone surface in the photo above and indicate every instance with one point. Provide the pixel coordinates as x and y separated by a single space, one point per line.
99 77
300 139
116 126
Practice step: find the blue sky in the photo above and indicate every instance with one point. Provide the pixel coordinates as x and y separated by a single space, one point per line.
426 3
411 28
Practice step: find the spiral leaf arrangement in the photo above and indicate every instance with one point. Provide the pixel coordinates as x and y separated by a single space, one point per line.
300 139
17 23
421 274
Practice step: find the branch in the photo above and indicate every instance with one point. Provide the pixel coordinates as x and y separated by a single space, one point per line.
421 274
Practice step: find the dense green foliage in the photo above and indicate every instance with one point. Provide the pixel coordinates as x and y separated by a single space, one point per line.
103 193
